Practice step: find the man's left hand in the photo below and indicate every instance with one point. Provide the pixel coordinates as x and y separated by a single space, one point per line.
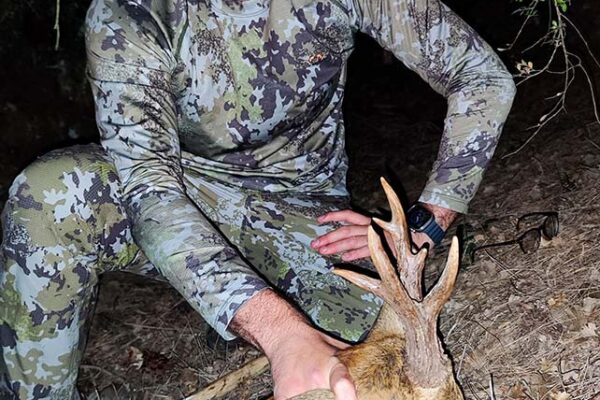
350 240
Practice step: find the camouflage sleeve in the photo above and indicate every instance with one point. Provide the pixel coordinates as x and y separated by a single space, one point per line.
435 43
130 65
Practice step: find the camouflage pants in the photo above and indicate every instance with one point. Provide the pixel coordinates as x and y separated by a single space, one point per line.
64 225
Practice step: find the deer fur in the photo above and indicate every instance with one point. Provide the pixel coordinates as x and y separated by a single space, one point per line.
402 358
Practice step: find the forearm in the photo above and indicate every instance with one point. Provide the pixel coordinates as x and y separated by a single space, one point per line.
267 321
448 54
301 357
475 119
195 258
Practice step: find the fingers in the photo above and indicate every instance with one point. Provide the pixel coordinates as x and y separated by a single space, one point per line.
347 216
363 252
350 240
343 233
340 383
350 248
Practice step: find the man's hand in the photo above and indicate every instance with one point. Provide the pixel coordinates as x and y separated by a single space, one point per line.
302 358
307 361
350 241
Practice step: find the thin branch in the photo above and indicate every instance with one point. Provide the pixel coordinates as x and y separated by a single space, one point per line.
523 25
585 42
57 25
557 37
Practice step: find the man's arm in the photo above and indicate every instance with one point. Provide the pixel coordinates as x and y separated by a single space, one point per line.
130 64
456 62
301 357
449 55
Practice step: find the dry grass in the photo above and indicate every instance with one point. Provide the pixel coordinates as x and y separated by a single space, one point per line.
531 321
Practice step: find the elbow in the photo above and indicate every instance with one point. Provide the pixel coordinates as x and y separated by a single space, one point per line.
484 72
507 85
500 80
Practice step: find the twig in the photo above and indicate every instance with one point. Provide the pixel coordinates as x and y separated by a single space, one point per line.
592 142
492 394
111 374
232 380
556 36
585 42
57 25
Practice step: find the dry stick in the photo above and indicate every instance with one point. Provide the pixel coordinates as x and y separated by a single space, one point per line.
232 380
107 372
518 35
590 52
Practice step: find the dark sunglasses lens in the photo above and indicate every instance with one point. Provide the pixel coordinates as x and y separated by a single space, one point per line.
530 241
550 227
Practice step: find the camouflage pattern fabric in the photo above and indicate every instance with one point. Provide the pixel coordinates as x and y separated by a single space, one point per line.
64 224
248 93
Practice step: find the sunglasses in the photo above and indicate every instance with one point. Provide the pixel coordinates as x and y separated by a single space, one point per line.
529 241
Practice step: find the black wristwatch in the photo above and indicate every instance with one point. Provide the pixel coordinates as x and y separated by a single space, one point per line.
420 219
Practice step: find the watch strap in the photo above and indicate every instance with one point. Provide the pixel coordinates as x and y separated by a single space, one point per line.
431 227
435 232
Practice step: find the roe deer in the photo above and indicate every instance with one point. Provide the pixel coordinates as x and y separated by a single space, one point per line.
402 358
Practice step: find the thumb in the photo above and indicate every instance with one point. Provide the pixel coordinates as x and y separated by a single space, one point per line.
340 382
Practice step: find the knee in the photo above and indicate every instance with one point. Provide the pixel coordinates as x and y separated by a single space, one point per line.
62 184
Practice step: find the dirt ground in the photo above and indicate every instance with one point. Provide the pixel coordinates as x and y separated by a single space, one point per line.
518 326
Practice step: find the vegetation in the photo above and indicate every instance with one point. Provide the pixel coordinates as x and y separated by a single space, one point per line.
561 60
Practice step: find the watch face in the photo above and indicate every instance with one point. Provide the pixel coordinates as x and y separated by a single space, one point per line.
418 217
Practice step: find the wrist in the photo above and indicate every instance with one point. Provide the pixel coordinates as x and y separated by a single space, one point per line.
444 217
429 223
269 322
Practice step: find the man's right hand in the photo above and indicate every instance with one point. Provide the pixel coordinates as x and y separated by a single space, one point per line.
302 358
306 363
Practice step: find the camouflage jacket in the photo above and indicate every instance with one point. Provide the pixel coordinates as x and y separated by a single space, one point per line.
249 93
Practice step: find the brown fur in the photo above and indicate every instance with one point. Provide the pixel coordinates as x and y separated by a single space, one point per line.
377 368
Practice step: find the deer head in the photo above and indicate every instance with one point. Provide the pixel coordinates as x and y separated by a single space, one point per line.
408 319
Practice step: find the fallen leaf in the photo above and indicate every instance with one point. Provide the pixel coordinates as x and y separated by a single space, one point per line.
589 303
560 396
135 357
189 379
588 331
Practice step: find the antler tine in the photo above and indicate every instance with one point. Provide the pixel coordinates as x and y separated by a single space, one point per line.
439 295
363 281
410 265
393 291
397 227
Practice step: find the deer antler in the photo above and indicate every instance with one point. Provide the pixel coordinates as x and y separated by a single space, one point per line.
410 266
402 290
